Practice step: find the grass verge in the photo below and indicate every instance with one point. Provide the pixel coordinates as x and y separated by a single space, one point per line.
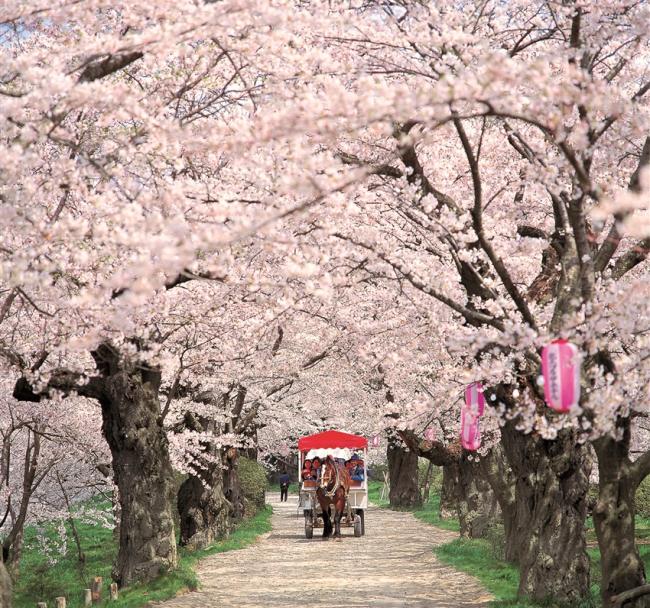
42 581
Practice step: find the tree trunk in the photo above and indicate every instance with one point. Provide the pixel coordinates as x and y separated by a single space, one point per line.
232 484
426 486
5 587
141 467
495 468
202 506
12 546
448 500
204 511
552 479
621 567
127 391
476 503
403 471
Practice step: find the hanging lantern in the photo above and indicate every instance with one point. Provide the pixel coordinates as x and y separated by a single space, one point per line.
470 434
374 442
430 434
474 398
561 370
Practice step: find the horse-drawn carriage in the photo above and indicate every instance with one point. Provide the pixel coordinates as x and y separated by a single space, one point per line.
343 482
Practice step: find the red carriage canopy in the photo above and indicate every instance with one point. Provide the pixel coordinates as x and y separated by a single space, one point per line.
331 440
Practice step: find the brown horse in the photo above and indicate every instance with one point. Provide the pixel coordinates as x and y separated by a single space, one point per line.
333 490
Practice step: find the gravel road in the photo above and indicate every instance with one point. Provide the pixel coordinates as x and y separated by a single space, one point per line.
392 566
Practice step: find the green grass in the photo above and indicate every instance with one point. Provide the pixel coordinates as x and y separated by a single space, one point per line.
40 581
430 513
374 494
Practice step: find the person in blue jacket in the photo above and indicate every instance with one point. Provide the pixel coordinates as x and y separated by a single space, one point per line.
284 486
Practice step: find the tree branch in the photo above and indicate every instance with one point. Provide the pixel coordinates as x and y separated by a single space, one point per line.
95 70
613 239
477 218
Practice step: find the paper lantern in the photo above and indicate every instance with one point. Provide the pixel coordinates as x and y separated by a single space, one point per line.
470 434
561 370
430 434
474 398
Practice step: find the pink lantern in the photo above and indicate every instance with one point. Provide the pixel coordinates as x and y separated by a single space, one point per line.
474 398
430 434
470 434
561 370
374 442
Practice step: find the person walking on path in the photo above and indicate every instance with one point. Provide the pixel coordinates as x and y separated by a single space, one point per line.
284 486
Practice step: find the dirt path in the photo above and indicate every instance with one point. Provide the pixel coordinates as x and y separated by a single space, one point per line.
392 566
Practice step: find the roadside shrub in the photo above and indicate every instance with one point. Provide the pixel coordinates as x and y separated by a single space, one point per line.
252 477
642 498
376 471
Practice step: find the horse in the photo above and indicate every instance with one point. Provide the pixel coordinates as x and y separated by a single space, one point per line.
333 490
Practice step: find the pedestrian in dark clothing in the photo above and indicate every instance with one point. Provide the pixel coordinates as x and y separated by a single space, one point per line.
284 486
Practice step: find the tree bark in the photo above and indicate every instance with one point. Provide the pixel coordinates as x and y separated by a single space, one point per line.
426 486
204 511
551 484
448 502
202 506
476 503
5 587
232 484
127 390
12 545
621 566
141 466
495 468
403 472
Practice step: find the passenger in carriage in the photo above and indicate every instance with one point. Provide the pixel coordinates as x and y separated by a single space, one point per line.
315 467
356 468
307 471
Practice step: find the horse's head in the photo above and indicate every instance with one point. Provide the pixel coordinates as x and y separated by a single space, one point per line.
328 472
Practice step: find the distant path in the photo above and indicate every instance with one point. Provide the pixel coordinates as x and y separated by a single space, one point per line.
392 566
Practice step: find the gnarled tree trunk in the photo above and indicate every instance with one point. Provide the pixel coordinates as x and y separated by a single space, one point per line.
5 587
621 566
403 472
551 483
231 483
448 501
141 466
476 503
202 506
496 470
204 511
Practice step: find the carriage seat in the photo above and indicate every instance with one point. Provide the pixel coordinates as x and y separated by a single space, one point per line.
309 483
356 483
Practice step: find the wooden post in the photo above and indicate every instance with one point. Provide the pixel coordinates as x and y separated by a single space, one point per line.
113 591
96 589
60 602
88 597
41 605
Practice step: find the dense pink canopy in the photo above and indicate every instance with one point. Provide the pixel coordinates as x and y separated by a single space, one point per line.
332 439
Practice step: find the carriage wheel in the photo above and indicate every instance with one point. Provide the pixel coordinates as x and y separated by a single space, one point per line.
360 515
309 525
357 526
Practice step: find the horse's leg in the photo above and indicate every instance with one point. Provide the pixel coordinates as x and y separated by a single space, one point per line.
324 507
337 523
327 523
339 506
